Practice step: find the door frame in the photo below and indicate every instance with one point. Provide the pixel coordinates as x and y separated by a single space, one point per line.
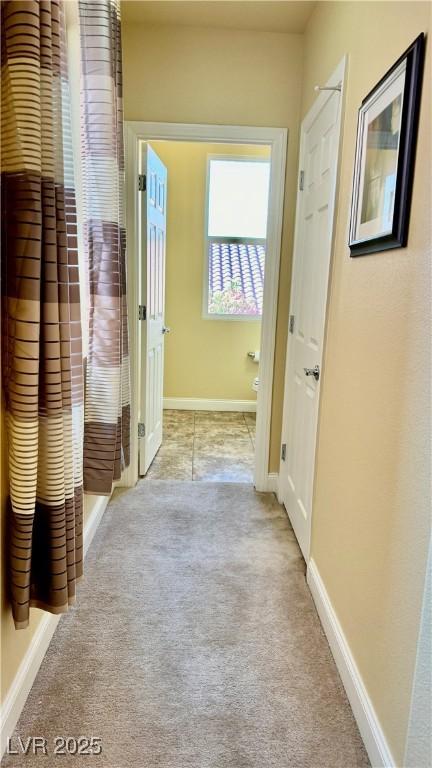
277 139
337 78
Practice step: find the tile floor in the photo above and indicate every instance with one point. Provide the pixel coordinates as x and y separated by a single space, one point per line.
206 445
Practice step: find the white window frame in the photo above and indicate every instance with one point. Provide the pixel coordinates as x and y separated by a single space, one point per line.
206 315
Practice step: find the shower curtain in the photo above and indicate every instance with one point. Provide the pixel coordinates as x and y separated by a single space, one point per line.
58 434
41 328
107 396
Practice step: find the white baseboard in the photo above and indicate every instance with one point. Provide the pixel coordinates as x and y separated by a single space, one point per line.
95 516
269 483
273 482
17 695
361 705
200 404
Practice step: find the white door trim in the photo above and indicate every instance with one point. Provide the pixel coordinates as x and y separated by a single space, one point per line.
337 78
137 131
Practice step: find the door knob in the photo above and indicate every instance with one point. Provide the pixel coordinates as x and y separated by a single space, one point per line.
165 329
315 372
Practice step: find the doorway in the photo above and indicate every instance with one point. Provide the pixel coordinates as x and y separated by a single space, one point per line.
216 225
217 295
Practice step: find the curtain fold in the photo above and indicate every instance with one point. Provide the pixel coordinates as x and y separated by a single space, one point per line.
107 391
41 326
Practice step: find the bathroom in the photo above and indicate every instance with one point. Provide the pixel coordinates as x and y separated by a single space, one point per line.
216 221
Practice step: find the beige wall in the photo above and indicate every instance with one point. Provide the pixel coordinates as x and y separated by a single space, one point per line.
194 75
203 358
372 511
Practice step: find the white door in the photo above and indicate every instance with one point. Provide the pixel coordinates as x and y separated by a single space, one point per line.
319 151
153 183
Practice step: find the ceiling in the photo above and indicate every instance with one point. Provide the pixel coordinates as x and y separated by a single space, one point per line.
262 15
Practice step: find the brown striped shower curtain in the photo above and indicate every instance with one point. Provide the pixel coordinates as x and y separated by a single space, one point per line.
47 410
107 396
41 330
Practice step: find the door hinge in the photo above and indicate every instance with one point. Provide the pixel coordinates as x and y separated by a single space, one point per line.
283 452
301 181
142 312
142 182
141 429
291 323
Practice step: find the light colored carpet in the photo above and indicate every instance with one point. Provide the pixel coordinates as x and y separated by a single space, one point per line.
194 644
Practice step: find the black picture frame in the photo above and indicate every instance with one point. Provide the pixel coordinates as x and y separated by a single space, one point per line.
394 229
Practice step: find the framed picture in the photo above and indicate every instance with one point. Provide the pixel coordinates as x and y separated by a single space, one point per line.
385 152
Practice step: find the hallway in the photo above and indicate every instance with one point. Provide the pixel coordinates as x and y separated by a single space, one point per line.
196 645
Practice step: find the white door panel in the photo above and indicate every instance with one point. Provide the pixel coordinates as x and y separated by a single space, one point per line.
313 240
152 289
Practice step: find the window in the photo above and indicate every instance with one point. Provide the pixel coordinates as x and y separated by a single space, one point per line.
236 227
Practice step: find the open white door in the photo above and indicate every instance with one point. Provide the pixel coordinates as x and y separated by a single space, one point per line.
319 150
153 186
